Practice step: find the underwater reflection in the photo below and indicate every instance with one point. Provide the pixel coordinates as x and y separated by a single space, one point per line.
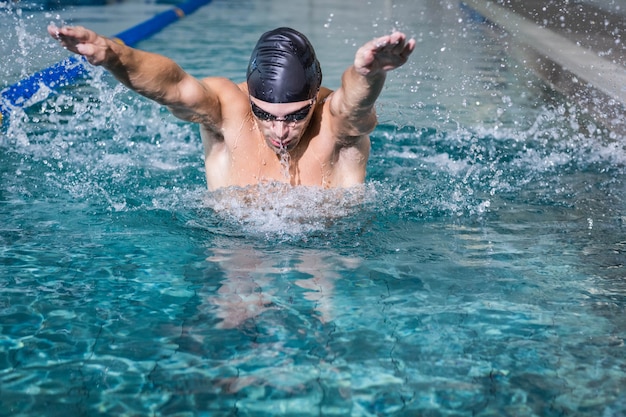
262 320
255 282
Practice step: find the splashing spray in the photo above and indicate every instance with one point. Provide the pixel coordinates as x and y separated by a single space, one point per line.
285 162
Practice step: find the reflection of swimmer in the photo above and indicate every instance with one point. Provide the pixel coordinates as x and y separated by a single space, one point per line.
249 288
279 125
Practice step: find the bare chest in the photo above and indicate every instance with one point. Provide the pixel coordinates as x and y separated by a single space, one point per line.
250 161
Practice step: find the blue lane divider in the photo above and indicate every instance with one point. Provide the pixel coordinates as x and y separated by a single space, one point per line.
24 93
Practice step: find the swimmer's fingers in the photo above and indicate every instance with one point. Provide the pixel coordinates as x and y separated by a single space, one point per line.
71 35
388 42
397 44
405 49
80 40
384 54
54 31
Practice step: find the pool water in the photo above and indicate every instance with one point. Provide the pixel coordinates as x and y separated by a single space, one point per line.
479 271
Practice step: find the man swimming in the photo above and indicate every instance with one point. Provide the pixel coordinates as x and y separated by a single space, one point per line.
281 124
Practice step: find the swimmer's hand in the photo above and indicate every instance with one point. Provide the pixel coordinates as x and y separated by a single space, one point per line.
81 41
383 54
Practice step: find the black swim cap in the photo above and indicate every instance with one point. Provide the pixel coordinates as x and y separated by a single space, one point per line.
283 68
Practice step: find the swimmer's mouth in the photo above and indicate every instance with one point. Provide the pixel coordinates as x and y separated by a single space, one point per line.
280 144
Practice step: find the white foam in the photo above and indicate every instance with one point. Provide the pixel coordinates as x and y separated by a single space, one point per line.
281 211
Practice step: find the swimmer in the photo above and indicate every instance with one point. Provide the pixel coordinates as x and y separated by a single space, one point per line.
280 125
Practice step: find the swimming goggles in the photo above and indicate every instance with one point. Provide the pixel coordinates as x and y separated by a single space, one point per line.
296 116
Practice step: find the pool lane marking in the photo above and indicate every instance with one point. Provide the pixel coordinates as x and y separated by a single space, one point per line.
28 91
604 75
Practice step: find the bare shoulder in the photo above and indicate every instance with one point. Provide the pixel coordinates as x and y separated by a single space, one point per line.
338 128
225 89
219 82
234 109
346 155
227 101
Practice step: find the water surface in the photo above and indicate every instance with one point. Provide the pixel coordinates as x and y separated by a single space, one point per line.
478 271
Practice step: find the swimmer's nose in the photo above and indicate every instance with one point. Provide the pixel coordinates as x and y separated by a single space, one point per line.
281 129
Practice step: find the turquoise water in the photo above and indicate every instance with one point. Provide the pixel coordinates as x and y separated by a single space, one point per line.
479 271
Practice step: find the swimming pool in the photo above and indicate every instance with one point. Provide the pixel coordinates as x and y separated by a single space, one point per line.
479 271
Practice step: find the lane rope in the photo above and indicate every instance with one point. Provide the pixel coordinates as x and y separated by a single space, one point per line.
36 87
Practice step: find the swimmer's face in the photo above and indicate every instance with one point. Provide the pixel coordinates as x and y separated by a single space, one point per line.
282 124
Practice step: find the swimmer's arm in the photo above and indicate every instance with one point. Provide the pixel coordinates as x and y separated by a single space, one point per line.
353 104
151 75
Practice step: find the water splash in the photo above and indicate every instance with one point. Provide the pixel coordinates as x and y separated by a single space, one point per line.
23 45
97 141
285 163
283 212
